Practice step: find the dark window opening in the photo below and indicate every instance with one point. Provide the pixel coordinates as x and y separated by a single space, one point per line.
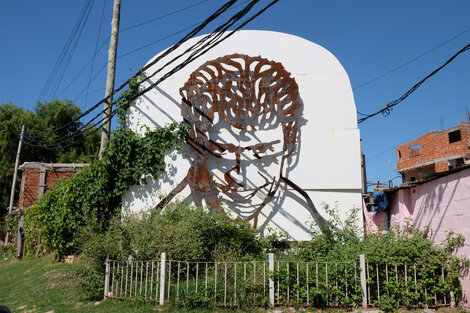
455 136
455 163
399 155
412 179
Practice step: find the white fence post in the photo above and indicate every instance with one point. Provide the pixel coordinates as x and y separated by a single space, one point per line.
362 262
271 279
162 278
106 277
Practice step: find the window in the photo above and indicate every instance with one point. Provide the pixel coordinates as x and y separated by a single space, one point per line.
399 155
414 150
412 179
455 163
455 136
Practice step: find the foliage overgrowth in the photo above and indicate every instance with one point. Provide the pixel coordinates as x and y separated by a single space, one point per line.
182 231
93 196
45 117
404 246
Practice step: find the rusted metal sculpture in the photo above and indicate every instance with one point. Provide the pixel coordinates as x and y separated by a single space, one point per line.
239 95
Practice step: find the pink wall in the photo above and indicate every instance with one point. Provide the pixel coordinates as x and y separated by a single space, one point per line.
443 204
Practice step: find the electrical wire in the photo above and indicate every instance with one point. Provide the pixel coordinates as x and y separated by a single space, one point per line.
123 30
85 66
389 107
163 16
76 98
421 132
198 52
410 61
196 30
205 42
94 54
69 57
66 54
171 35
62 54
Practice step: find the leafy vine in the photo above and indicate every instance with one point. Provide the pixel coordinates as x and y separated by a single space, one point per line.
93 196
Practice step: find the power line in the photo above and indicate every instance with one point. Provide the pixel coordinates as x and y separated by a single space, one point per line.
96 51
427 129
222 9
205 42
173 34
163 16
85 66
76 98
128 28
410 61
56 75
196 53
69 57
389 107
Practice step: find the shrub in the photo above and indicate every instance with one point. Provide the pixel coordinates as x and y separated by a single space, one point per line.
184 232
93 196
342 240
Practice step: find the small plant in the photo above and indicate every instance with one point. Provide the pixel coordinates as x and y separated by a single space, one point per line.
416 257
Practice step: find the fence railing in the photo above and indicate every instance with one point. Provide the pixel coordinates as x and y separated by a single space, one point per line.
272 283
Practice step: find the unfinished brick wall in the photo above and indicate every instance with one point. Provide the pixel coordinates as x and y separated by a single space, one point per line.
29 187
415 174
38 177
434 148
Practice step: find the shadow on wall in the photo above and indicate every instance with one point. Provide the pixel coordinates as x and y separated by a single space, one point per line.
436 204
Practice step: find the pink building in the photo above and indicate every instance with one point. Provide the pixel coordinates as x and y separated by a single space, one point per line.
442 203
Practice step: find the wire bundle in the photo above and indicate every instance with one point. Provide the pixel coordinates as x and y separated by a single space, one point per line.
389 107
198 49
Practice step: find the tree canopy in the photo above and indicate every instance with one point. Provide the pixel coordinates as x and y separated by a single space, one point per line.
45 117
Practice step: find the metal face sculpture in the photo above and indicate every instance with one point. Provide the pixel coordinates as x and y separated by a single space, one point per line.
243 116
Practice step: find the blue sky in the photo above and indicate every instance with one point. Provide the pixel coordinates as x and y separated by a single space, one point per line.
369 38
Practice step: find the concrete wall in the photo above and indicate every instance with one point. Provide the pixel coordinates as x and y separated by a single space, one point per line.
442 204
326 163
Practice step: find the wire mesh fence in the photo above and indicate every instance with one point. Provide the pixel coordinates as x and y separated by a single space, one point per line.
277 283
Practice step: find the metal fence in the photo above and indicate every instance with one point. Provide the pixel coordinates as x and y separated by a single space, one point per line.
275 283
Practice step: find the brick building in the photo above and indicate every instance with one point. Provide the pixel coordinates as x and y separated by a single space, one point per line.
434 152
38 177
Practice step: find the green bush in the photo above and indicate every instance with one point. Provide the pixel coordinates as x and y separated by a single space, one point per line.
340 242
184 232
93 196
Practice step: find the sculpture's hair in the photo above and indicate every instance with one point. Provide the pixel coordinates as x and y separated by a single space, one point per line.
248 92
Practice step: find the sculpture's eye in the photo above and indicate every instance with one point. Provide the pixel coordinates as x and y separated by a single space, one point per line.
263 149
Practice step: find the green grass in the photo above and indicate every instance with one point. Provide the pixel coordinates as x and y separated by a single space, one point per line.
40 285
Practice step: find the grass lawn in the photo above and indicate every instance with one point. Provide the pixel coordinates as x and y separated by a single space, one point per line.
40 285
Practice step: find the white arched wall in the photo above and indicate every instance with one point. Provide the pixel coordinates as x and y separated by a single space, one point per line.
327 166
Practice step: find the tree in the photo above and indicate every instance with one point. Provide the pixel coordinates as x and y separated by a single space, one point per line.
39 123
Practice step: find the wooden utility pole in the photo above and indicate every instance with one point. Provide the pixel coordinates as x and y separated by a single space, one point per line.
106 126
13 185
